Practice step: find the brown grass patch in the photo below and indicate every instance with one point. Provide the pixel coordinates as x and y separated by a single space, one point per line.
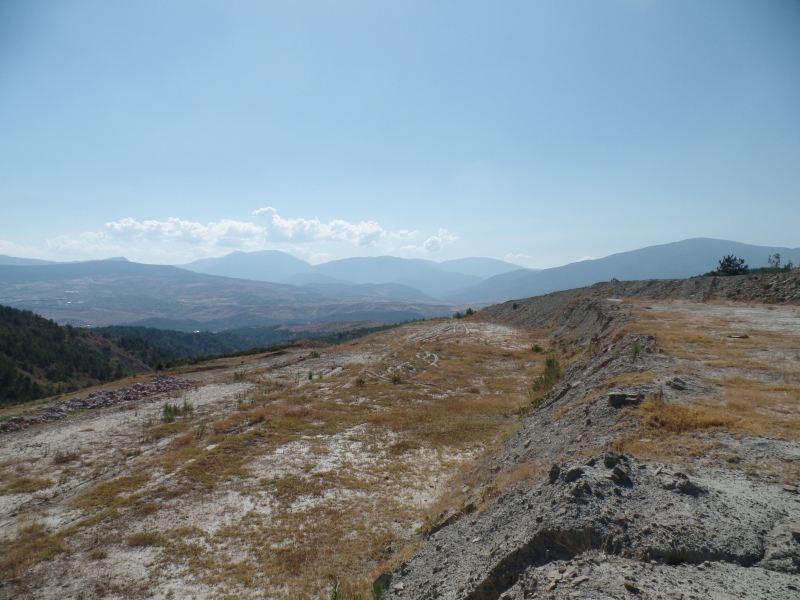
680 418
26 485
111 493
167 429
520 472
228 423
63 458
33 544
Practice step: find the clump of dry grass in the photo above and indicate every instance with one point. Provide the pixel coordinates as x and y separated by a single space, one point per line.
112 493
677 418
26 485
62 458
33 544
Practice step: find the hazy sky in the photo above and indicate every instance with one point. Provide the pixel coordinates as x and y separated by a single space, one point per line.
544 131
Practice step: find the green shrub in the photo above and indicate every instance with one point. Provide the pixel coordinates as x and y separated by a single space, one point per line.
169 412
551 375
336 590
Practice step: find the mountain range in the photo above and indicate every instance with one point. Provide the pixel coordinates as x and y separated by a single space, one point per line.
676 260
437 280
274 288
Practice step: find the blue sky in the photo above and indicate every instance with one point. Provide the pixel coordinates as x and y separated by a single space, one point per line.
538 132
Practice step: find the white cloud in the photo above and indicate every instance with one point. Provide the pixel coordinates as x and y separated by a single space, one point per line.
365 233
18 250
585 258
226 233
435 243
519 256
309 255
404 234
174 240
88 243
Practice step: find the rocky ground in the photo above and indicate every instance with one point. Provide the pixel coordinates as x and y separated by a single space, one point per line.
94 400
688 508
662 462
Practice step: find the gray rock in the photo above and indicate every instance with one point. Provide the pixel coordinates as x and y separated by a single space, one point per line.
572 474
621 475
621 399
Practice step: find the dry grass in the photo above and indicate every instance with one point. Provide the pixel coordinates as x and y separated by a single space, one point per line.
298 550
410 444
674 418
112 493
25 485
63 458
759 391
33 544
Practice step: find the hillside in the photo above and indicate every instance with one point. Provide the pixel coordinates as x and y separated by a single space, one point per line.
634 439
159 346
668 261
39 358
102 293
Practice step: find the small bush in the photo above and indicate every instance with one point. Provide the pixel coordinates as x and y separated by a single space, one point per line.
636 350
336 590
360 382
310 375
238 375
396 378
378 591
536 348
313 354
169 412
551 375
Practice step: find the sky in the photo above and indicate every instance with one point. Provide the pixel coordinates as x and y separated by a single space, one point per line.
538 132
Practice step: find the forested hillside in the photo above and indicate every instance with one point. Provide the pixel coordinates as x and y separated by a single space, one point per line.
164 348
39 358
150 344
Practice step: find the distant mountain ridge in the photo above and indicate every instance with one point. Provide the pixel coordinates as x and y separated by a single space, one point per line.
675 260
431 278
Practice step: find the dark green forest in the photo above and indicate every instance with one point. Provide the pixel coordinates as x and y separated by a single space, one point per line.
39 358
165 349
